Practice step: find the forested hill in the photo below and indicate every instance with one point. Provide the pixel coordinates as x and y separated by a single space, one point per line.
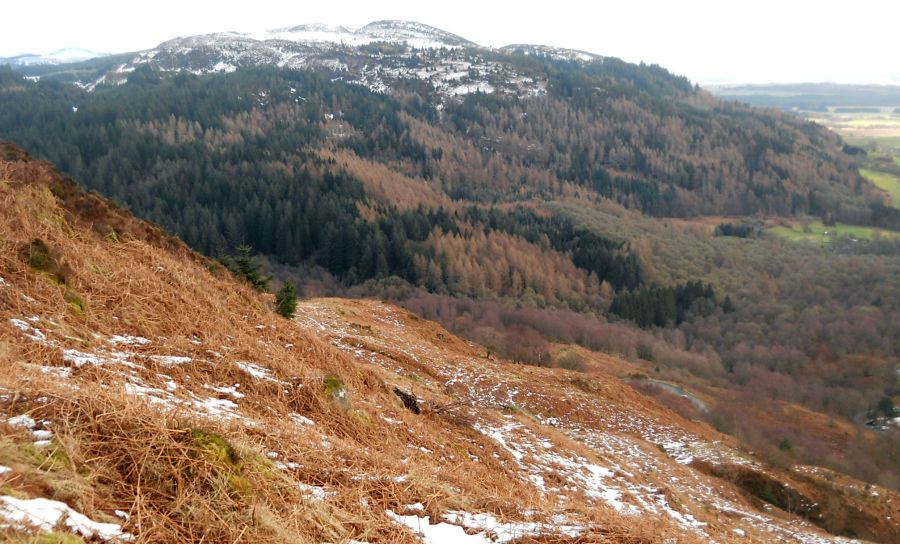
477 124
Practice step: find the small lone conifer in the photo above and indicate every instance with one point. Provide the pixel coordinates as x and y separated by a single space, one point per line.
249 268
286 300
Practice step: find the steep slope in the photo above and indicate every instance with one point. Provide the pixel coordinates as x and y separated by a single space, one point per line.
145 388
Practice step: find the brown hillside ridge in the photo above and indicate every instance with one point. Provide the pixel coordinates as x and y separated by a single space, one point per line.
146 395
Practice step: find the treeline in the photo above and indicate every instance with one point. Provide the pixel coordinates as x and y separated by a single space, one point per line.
666 305
738 230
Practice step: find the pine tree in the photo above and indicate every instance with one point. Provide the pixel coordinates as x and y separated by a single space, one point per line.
286 300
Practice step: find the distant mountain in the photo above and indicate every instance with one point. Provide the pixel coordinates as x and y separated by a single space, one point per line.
376 56
811 96
62 56
416 35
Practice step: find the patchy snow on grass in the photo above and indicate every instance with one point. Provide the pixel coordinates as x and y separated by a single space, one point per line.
231 391
210 407
223 408
62 372
23 421
316 492
128 340
302 420
506 532
81 358
679 452
4 470
42 436
170 360
46 515
30 331
287 466
468 528
256 371
538 458
437 533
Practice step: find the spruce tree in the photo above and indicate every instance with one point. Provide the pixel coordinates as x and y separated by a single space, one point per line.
286 300
250 269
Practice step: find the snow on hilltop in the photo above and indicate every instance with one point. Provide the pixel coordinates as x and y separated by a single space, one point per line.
377 56
61 56
416 35
558 53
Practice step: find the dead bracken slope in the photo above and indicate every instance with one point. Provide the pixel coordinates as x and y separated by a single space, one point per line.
147 396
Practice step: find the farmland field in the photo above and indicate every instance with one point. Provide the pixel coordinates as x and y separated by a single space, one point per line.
816 231
889 183
861 128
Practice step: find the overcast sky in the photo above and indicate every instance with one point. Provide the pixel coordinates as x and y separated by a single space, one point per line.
709 41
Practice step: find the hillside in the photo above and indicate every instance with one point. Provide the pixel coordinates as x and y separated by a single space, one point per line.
539 121
147 389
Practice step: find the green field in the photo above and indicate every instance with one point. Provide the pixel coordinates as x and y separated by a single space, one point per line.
884 143
888 183
816 231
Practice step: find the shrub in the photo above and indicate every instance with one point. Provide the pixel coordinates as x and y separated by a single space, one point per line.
571 360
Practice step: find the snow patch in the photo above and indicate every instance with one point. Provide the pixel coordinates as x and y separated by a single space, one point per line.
302 420
46 515
255 370
30 331
315 492
437 533
128 340
468 528
232 391
170 359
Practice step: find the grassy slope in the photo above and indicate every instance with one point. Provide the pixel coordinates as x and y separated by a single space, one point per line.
886 182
